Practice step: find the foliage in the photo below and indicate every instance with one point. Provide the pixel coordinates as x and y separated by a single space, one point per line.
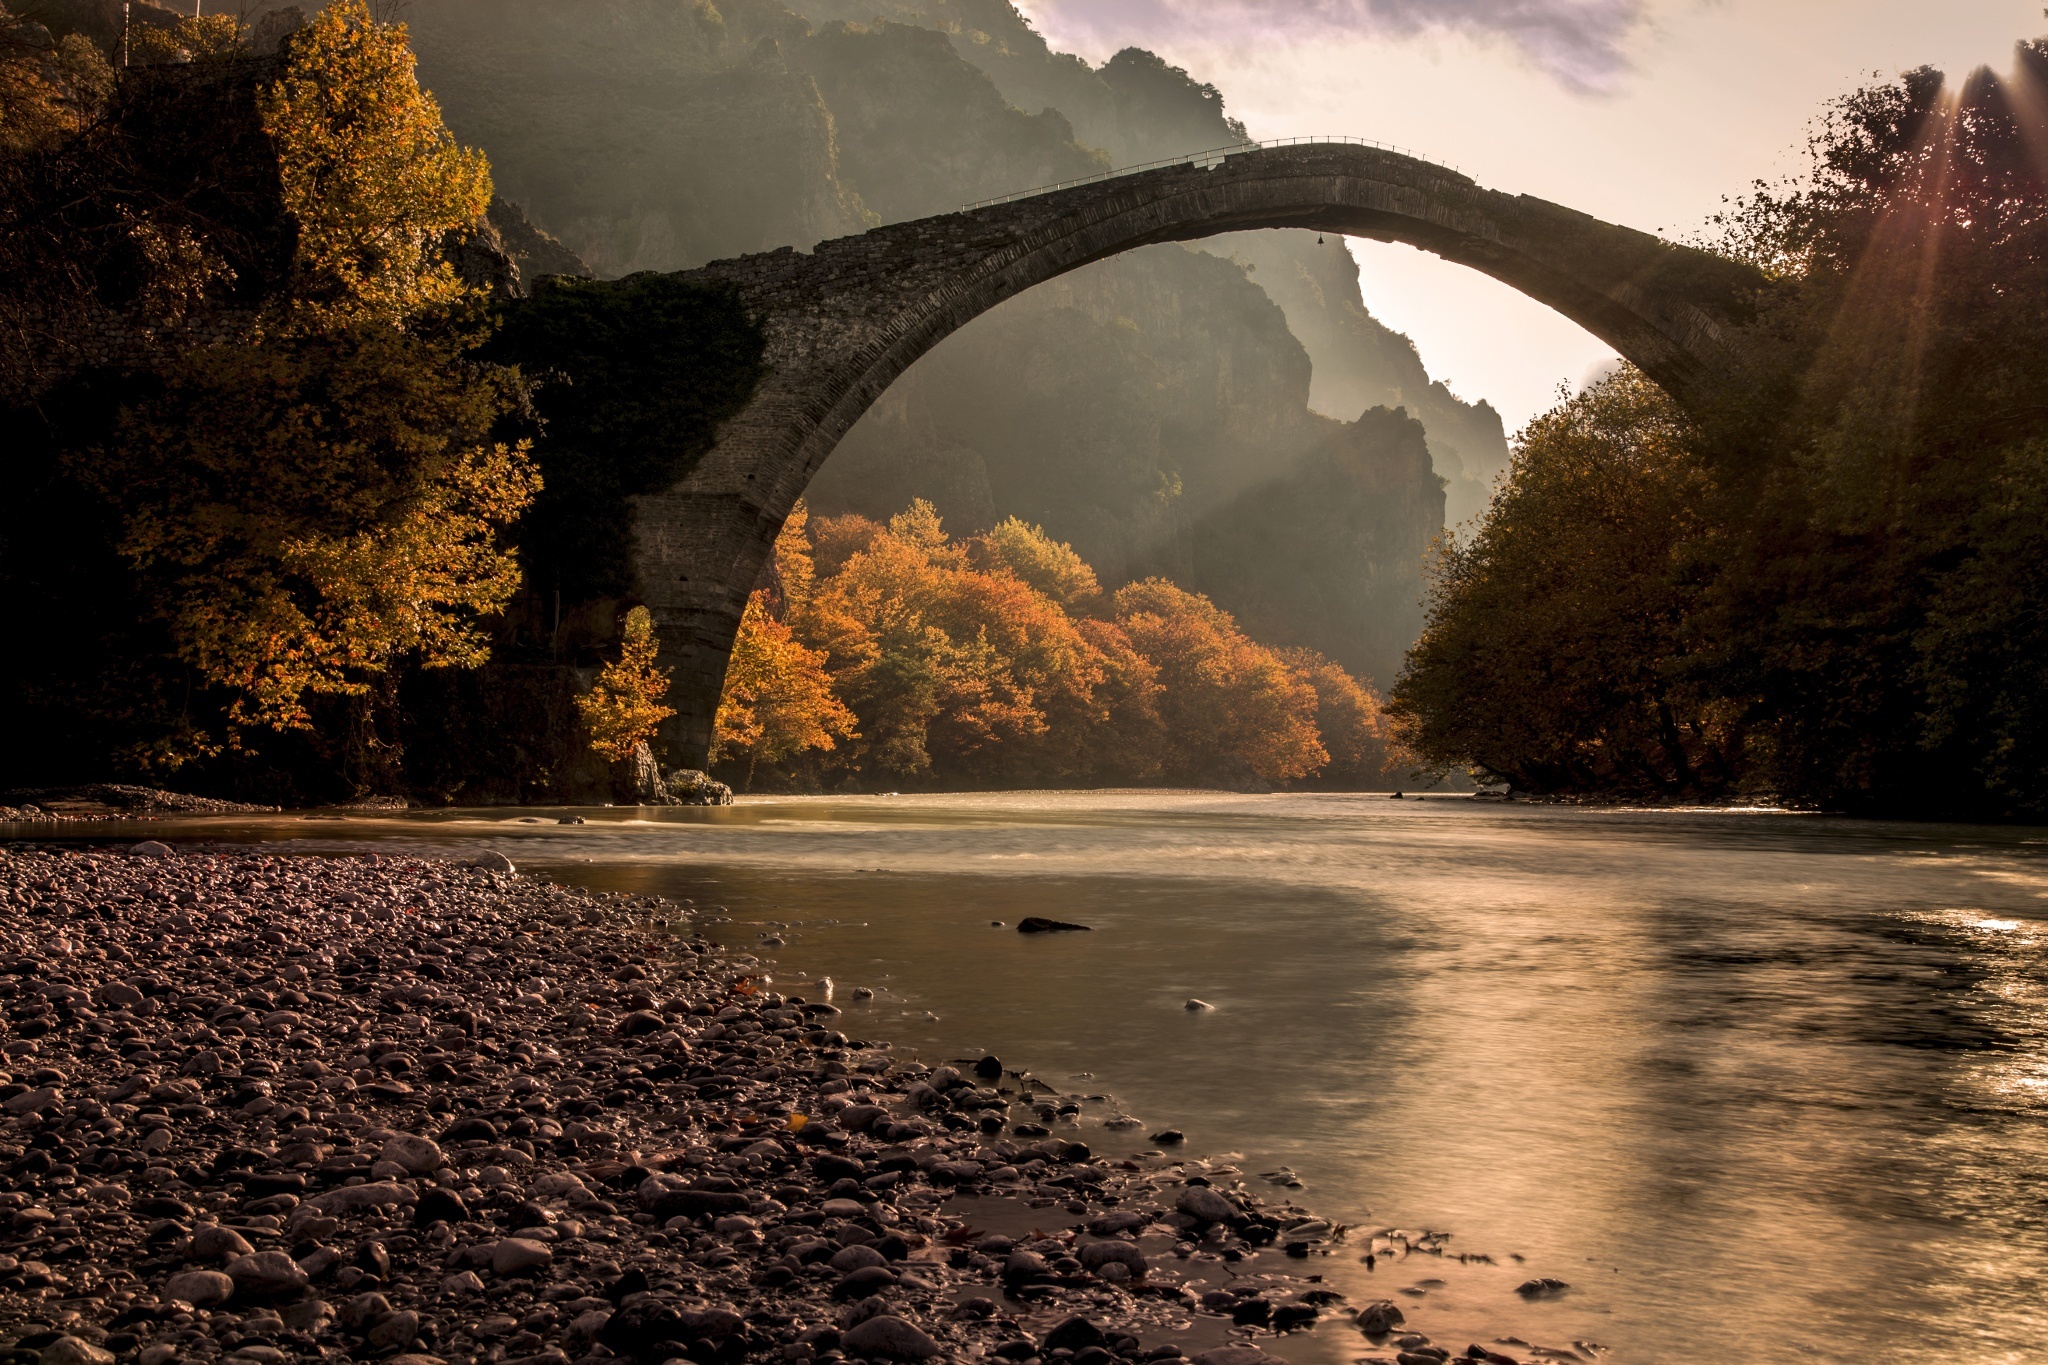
1549 659
623 707
281 521
778 699
370 173
1230 706
1051 567
998 661
942 662
195 37
304 513
1829 590
48 90
1353 725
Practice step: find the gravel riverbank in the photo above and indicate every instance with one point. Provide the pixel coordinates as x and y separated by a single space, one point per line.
263 1108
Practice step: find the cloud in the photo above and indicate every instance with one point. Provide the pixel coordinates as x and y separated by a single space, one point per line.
1582 43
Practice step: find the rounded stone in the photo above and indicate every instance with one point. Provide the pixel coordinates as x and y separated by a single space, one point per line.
200 1288
417 1155
1199 1201
888 1337
267 1274
849 1259
517 1255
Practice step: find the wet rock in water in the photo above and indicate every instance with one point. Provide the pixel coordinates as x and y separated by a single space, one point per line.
1025 1266
1074 1333
1168 1136
1235 1355
989 1068
1377 1319
1205 1205
1197 1006
1038 924
1543 1288
1098 1256
493 861
692 787
888 1337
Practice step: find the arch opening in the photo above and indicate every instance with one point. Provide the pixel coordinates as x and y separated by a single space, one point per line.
844 321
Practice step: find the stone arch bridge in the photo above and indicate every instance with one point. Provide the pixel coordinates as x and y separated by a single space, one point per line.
844 320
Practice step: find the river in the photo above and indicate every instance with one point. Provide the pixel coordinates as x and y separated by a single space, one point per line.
1755 1085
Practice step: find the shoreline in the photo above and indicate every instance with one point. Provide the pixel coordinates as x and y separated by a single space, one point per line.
265 1107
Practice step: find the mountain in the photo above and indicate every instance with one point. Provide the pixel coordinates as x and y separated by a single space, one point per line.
1129 407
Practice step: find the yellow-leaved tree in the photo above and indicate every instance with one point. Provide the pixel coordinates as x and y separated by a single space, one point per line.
624 706
196 37
370 172
308 509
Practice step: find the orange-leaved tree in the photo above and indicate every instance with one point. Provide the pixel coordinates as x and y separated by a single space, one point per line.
943 663
195 37
623 708
1352 721
778 700
1232 709
311 507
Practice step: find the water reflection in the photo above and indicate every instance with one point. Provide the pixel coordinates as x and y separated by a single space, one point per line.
1755 1085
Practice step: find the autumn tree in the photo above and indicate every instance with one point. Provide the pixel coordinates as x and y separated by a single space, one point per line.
1049 566
370 173
309 508
778 700
1233 710
1351 720
309 512
49 89
623 708
195 37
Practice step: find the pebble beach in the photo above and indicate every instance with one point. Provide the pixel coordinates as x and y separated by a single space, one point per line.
261 1108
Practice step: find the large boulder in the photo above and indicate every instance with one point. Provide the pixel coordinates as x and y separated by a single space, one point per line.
689 787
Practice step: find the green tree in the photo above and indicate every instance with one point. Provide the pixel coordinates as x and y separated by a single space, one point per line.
1552 654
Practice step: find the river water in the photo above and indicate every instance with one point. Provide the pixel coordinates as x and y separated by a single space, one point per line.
1755 1085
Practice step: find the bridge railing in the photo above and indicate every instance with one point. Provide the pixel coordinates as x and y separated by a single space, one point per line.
1212 157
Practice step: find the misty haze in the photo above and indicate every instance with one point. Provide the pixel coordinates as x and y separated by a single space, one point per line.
856 682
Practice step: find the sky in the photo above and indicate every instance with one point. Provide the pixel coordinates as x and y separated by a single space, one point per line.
1642 112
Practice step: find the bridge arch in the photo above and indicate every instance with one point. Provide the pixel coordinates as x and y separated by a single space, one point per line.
844 320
